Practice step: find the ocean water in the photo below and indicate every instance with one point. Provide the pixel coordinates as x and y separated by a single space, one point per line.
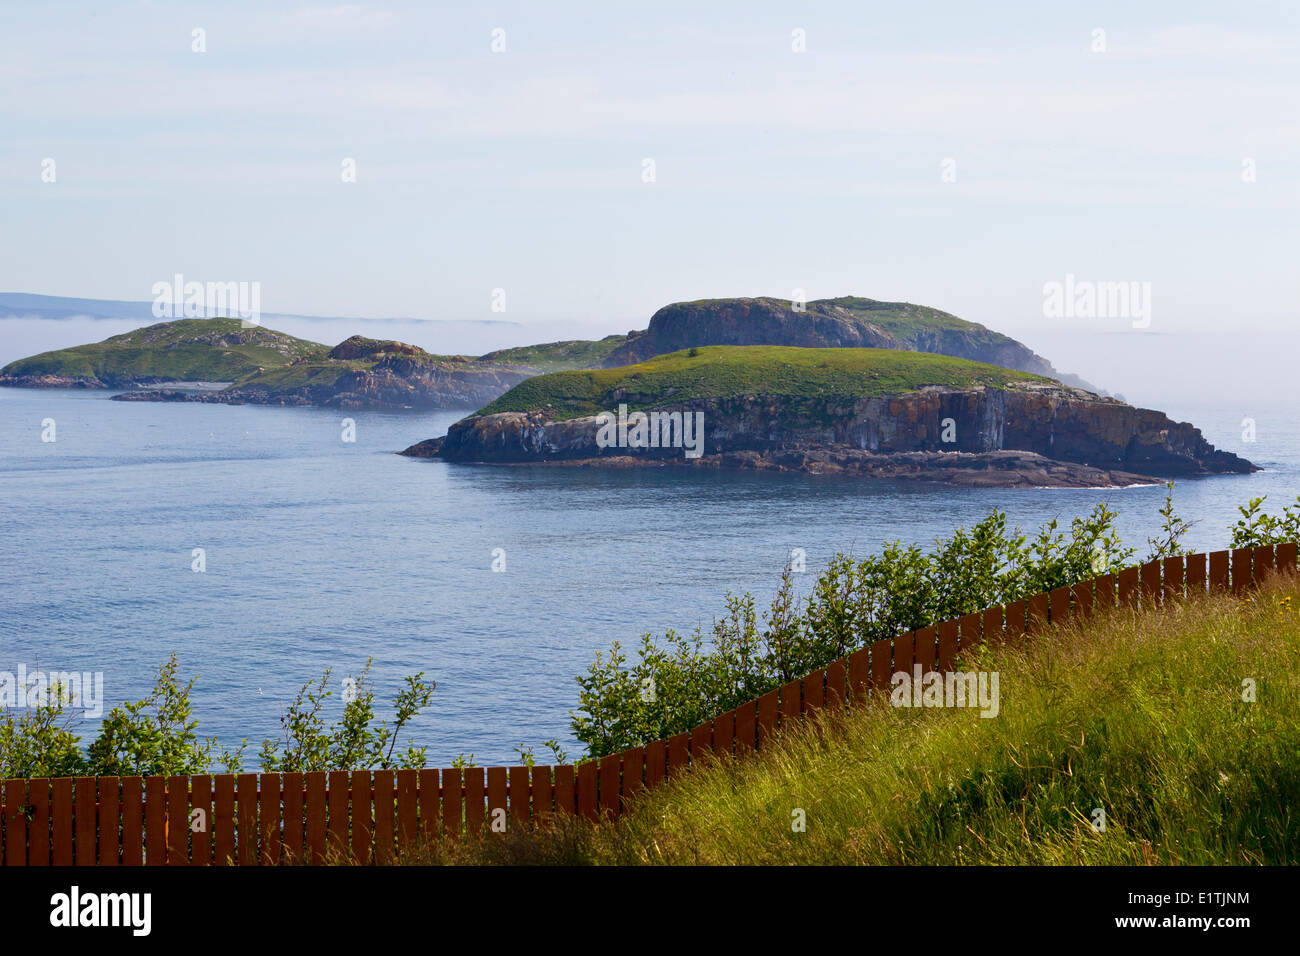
323 553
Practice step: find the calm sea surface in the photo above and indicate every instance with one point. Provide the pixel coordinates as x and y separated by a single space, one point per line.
322 553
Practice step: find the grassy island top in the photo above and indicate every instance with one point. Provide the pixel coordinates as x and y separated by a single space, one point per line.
214 350
558 356
729 371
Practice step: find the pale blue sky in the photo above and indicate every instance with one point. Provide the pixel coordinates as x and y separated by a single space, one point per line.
775 170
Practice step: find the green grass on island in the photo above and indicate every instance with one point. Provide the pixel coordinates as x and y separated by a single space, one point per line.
726 371
559 356
212 350
223 350
1146 716
904 320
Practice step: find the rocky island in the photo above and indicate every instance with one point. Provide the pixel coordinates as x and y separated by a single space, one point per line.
258 365
862 411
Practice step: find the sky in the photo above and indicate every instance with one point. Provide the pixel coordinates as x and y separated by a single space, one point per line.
952 154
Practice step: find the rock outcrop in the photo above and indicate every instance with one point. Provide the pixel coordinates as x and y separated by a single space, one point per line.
848 322
1024 429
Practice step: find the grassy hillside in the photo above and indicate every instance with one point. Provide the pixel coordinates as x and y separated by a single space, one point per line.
904 319
722 371
559 356
1141 715
214 350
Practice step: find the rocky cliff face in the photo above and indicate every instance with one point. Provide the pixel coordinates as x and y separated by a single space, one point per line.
827 323
1057 423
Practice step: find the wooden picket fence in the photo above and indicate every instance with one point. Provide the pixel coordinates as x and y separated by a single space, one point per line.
364 816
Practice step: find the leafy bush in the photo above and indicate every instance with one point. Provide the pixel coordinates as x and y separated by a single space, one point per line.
684 679
157 735
306 744
1255 528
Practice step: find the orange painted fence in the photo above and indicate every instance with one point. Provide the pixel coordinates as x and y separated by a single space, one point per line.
365 816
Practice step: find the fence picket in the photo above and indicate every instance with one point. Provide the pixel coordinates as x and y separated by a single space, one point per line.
991 626
475 798
223 823
408 809
724 732
791 700
1218 570
1039 607
1059 605
63 820
1240 570
452 807
656 760
767 717
1262 563
923 648
837 683
268 818
363 823
1081 595
1173 580
702 742
498 796
678 752
429 809
1197 574
292 835
521 809
201 830
1286 558
609 784
544 793
1149 574
15 823
968 633
246 816
1129 578
633 769
1103 595
566 798
859 674
904 652
587 805
1016 622
338 796
814 690
38 829
87 823
384 814
882 665
178 820
316 810
155 821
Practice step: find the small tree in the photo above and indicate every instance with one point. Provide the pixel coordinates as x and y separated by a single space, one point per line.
354 743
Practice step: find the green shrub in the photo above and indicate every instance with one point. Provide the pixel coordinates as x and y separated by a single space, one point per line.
158 734
684 679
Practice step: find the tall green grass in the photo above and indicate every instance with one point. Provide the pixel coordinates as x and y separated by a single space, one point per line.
1139 714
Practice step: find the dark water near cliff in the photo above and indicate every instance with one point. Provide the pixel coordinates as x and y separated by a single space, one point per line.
322 553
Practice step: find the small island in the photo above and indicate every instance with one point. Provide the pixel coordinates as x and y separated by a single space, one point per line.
883 413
